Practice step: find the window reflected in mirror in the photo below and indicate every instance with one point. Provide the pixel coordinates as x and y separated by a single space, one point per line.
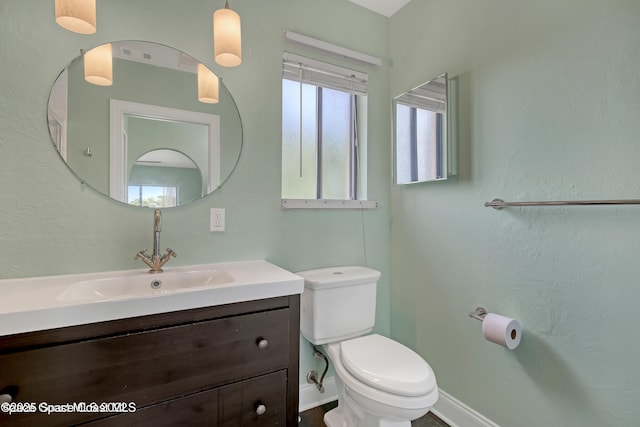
422 142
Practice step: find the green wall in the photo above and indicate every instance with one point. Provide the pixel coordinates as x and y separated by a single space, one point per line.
549 110
50 223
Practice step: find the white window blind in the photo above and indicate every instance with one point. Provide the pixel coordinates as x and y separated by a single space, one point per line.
311 71
432 98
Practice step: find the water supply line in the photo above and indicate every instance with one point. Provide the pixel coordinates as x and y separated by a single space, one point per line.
312 376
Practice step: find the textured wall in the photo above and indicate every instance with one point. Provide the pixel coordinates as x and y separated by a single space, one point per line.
51 224
549 108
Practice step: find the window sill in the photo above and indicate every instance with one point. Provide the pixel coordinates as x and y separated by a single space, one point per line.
328 204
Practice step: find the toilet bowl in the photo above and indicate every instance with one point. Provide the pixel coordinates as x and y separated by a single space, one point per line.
393 383
380 382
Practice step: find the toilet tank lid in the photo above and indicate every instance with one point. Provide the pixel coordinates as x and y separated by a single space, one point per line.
332 277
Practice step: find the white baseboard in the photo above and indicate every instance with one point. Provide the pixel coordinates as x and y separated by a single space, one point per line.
447 408
457 414
310 397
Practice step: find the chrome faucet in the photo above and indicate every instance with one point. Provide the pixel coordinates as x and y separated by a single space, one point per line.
155 261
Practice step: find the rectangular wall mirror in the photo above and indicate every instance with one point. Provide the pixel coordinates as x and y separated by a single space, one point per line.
424 132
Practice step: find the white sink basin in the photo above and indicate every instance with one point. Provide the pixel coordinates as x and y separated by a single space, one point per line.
141 284
40 303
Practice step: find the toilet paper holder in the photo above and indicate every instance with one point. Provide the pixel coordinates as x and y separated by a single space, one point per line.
479 314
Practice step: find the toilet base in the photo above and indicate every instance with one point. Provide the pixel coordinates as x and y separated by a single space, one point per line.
335 418
349 416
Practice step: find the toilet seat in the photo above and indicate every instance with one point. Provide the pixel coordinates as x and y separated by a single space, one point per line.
387 365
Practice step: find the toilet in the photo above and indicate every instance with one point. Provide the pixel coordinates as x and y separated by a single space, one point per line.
380 382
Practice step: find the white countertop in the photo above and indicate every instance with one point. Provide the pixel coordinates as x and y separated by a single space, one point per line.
39 303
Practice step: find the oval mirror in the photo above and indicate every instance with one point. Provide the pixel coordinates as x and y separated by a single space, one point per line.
144 138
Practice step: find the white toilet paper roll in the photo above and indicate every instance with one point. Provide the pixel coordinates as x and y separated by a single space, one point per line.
502 330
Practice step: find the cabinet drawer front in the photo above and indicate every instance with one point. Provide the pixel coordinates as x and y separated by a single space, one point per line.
235 405
146 367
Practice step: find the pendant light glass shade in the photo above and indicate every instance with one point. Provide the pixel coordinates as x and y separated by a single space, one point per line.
78 16
98 65
227 43
207 85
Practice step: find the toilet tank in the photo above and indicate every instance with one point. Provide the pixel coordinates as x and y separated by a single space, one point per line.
338 303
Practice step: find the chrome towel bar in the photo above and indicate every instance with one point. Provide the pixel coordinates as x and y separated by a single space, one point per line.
499 203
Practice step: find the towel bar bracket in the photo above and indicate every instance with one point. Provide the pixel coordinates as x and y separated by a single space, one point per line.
479 314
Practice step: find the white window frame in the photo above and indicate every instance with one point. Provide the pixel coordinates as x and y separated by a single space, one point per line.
318 73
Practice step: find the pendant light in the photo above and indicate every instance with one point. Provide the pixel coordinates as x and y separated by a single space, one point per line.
78 16
207 85
98 65
227 43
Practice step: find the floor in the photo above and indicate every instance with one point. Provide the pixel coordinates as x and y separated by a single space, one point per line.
313 418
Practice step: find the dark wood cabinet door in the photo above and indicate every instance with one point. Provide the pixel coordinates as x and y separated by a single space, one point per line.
258 402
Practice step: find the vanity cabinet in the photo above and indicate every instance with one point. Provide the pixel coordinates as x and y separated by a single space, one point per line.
231 365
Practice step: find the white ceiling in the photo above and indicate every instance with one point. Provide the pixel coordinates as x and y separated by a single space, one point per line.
154 54
383 7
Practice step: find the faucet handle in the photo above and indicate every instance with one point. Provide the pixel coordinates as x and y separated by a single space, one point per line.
166 257
141 254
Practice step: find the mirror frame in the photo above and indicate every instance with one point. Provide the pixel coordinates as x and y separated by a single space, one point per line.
449 146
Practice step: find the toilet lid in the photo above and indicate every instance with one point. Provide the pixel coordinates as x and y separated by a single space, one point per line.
387 365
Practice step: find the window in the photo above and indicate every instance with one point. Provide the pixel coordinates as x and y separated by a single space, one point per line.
419 145
152 196
322 117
